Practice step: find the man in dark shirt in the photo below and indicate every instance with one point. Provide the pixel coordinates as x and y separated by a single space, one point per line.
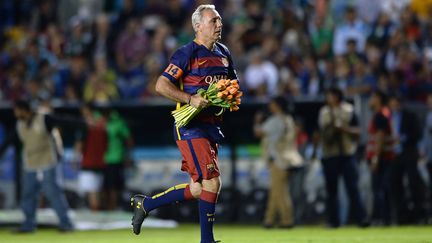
407 136
380 154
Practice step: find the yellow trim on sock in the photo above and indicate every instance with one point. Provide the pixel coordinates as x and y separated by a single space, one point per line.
176 187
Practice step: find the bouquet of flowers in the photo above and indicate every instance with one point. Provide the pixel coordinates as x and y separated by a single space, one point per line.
224 93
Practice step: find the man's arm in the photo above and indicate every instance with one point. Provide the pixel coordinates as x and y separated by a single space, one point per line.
381 124
353 128
10 139
52 121
166 88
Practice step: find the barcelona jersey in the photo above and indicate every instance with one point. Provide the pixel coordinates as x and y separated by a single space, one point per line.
191 68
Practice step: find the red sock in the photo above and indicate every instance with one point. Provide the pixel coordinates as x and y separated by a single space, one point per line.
187 194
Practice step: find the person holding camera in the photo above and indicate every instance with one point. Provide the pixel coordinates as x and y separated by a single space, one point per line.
280 152
339 131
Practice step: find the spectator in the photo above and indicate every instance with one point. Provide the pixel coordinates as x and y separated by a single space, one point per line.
34 131
100 86
131 50
352 55
339 131
127 12
382 30
15 89
407 134
310 78
362 82
53 41
278 134
45 14
92 147
47 78
78 43
102 44
353 28
321 37
72 78
261 76
380 155
394 7
116 157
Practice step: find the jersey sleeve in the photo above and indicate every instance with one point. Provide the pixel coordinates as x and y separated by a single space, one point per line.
177 66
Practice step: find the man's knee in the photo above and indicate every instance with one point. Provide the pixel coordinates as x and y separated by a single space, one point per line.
195 189
212 185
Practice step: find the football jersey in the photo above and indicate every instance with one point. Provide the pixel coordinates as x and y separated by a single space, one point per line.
191 68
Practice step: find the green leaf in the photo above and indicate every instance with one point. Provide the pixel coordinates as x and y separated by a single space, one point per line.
220 112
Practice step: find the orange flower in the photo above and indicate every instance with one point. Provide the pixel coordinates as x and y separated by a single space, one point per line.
239 94
238 101
230 97
234 108
220 95
220 86
234 82
221 81
225 93
232 90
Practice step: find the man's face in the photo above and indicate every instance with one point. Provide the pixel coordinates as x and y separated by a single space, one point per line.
331 99
210 27
394 104
20 114
273 107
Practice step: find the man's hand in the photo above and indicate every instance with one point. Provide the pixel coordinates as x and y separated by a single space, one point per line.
198 101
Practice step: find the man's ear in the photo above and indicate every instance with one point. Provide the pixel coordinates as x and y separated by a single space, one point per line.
197 26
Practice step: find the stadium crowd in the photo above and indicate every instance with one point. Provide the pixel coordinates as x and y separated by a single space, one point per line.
107 50
99 51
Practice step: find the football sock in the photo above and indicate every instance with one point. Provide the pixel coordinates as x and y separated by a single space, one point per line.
175 194
207 205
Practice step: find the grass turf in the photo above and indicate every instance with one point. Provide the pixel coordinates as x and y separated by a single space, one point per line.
188 233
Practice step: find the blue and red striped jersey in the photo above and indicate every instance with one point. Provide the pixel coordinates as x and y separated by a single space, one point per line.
192 67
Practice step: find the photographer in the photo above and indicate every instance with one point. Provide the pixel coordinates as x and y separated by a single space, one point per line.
339 131
279 150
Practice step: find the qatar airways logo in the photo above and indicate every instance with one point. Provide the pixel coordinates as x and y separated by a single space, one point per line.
214 78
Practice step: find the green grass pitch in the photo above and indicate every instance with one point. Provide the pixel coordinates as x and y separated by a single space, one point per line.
188 233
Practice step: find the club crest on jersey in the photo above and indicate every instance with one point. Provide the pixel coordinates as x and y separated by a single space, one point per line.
214 78
225 61
210 167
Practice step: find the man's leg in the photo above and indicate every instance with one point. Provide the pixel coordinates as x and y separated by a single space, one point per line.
200 160
417 187
175 194
56 198
207 205
284 201
398 190
330 168
142 205
29 200
270 213
350 175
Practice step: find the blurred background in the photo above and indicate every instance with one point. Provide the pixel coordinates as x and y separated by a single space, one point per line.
62 54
